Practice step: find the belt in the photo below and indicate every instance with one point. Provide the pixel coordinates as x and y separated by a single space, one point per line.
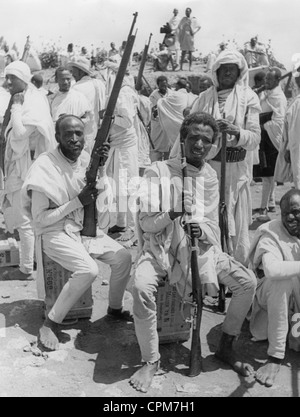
232 155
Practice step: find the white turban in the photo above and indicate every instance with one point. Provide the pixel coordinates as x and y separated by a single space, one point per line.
20 70
231 57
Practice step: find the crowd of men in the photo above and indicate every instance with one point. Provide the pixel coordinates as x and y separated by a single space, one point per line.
47 141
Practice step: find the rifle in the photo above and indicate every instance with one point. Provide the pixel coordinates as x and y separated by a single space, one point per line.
223 223
138 84
90 217
26 50
197 303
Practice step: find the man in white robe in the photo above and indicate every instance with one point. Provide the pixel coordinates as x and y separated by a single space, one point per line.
236 108
275 256
94 91
158 136
28 133
67 100
165 251
54 195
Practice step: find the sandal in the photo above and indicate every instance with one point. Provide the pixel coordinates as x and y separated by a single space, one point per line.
116 229
119 314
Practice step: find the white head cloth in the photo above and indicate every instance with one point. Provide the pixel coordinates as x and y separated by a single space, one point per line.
20 70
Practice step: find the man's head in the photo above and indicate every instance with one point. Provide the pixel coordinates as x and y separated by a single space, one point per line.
181 83
162 84
69 133
37 80
175 12
80 68
290 212
259 79
198 131
112 45
228 75
188 11
70 47
84 50
253 42
18 76
63 77
272 78
205 82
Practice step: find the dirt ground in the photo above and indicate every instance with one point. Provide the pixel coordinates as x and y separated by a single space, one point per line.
97 356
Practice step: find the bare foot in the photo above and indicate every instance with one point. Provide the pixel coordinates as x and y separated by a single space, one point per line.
242 368
142 379
126 236
266 374
48 335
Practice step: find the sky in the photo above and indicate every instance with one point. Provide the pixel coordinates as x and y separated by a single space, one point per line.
96 23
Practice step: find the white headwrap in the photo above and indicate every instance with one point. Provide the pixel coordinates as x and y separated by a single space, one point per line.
20 70
231 57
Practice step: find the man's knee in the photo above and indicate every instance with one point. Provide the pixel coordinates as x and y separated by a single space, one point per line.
92 270
124 257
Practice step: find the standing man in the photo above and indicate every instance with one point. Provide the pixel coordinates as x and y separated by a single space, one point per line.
94 91
158 136
165 251
27 131
113 51
288 161
273 105
123 162
67 100
236 108
174 24
54 195
188 27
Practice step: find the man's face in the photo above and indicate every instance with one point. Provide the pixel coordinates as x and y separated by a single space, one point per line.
71 138
175 11
271 80
112 46
14 84
163 86
188 12
253 42
76 73
64 79
228 75
290 215
198 143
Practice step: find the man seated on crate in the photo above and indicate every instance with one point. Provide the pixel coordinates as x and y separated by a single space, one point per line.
164 247
54 194
275 256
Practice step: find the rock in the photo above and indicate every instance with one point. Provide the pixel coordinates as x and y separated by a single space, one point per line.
188 388
58 355
5 296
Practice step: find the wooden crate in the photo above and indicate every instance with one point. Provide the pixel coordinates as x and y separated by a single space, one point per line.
171 326
55 277
9 252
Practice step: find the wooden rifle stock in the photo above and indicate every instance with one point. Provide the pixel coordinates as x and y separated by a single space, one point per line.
139 83
197 302
90 212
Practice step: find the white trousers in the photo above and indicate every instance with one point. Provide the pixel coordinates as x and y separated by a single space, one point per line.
15 218
148 273
270 317
72 255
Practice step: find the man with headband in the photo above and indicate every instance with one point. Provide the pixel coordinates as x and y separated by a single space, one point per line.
27 131
236 108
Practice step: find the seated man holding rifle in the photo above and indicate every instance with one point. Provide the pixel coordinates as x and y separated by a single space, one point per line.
165 250
54 195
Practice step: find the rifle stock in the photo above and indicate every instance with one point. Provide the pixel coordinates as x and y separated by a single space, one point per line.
139 84
90 212
197 302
